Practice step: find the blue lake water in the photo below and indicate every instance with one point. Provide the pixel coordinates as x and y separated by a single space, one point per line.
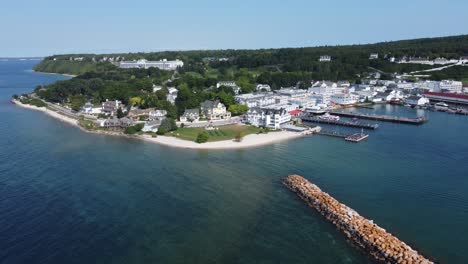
72 197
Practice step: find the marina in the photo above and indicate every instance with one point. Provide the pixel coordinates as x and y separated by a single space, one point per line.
379 244
384 118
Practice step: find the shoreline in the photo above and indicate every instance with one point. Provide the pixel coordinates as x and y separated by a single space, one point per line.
54 73
249 141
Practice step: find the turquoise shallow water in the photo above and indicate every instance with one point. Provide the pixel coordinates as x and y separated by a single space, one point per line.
71 197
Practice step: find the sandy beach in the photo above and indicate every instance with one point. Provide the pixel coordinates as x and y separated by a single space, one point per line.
53 114
248 141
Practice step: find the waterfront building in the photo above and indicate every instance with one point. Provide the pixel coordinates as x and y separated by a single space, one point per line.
214 110
416 100
144 64
344 99
263 88
325 58
270 118
449 86
190 115
90 109
151 126
115 123
111 107
447 97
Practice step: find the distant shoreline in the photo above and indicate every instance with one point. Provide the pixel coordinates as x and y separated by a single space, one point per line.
249 141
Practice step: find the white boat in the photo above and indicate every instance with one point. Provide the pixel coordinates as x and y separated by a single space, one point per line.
441 106
328 117
315 110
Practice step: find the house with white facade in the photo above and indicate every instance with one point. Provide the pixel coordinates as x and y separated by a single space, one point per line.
374 56
269 118
263 88
214 110
190 115
256 99
236 89
156 114
325 58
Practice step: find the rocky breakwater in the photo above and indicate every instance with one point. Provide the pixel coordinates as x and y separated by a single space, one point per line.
381 245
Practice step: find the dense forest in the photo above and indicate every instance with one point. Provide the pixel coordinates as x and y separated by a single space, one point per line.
99 78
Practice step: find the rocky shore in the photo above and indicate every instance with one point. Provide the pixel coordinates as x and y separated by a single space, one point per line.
382 246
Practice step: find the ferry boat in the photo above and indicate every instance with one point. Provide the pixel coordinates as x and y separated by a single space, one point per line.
441 106
328 117
315 110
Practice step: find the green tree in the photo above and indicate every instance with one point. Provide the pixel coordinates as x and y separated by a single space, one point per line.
202 137
238 109
77 101
120 113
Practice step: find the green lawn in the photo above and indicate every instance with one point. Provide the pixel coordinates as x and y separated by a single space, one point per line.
223 133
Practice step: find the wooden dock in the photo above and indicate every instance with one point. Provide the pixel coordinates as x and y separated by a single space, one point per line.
356 137
312 119
384 118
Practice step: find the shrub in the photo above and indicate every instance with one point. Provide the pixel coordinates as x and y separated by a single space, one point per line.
202 137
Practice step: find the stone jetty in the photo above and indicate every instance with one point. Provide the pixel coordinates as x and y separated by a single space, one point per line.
382 246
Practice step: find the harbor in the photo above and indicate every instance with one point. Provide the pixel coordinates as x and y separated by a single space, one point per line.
384 118
380 245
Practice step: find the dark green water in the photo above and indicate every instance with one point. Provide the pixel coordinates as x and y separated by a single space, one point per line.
72 197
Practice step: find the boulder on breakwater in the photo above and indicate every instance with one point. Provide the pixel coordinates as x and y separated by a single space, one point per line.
378 243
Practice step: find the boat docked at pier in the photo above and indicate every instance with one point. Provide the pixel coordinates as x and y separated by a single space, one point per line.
441 106
328 117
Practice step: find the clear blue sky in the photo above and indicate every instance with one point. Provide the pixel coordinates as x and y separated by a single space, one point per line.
46 27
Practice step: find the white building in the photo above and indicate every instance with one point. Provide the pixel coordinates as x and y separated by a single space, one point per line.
172 94
344 99
144 64
157 114
270 118
374 56
90 109
416 100
256 99
445 86
325 58
236 89
263 88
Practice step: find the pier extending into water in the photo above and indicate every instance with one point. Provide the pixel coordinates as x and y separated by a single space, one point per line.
339 122
356 137
385 118
382 246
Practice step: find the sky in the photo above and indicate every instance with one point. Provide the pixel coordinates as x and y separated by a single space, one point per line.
48 27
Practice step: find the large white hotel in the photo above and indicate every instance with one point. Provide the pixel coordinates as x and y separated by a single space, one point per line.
144 64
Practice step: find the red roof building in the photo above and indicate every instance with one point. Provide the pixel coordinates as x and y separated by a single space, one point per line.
447 97
295 112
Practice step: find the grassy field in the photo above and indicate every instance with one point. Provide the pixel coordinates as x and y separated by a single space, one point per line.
223 133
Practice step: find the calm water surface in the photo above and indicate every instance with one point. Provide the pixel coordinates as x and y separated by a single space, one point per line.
71 197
